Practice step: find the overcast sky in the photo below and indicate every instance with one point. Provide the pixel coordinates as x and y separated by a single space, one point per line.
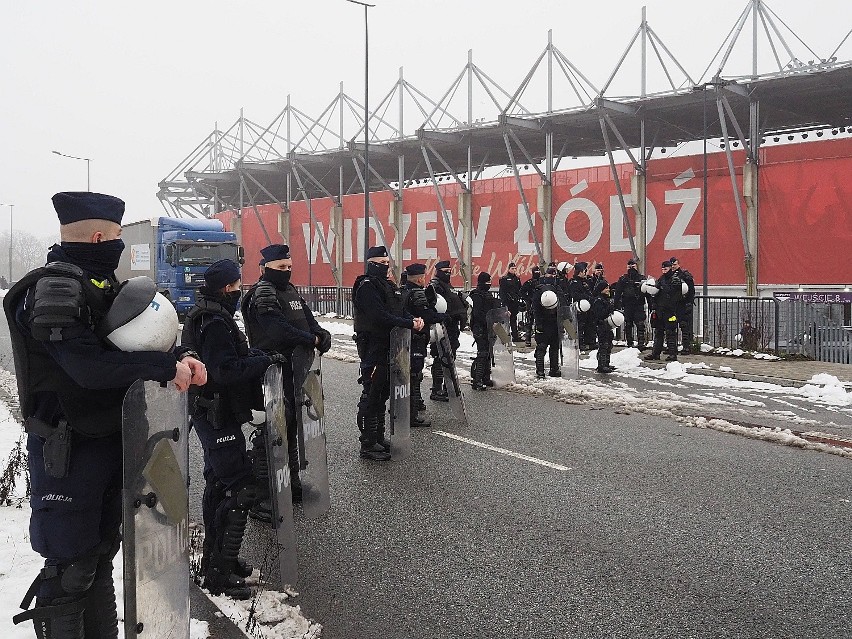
136 86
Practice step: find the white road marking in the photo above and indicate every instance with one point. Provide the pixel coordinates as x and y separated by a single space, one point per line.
502 451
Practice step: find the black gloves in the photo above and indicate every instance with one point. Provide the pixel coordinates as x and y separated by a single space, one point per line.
324 340
278 358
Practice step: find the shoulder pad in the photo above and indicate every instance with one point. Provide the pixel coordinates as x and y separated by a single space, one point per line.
59 310
265 298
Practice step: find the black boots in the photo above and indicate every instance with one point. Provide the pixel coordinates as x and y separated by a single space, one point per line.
222 574
419 419
539 367
603 363
370 447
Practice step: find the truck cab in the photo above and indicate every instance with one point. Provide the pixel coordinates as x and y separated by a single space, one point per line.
175 252
185 248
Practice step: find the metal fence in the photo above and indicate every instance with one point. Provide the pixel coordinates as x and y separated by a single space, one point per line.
793 327
808 329
748 323
327 299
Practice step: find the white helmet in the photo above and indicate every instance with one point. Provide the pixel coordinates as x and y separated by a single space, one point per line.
649 286
563 267
140 318
616 319
684 287
436 332
549 299
469 301
584 306
441 303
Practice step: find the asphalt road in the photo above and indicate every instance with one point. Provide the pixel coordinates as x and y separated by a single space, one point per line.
655 529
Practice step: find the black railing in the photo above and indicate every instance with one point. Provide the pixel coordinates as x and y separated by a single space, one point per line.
328 299
747 323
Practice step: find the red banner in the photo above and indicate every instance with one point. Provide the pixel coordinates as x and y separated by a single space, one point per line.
805 226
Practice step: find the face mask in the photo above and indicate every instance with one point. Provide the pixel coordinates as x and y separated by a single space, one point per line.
376 269
443 276
231 301
277 278
100 258
484 287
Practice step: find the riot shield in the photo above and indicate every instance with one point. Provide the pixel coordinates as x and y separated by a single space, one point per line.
279 473
399 361
155 505
448 365
500 335
569 345
310 417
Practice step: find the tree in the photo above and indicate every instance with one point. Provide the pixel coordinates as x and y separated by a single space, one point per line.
28 252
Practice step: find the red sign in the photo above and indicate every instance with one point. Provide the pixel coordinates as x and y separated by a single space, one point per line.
805 221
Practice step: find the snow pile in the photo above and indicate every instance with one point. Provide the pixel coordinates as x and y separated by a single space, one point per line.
268 616
826 389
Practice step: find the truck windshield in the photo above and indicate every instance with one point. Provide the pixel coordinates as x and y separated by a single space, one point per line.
199 254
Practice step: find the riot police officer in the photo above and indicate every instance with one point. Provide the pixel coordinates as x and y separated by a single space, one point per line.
527 291
419 301
277 320
685 306
456 322
665 295
218 412
581 294
378 308
483 301
628 296
71 384
602 310
546 301
510 297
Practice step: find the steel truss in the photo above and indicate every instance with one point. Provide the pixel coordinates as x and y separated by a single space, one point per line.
297 157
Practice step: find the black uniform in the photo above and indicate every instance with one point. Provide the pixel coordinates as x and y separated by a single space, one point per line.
580 289
483 301
378 308
68 378
415 304
664 315
547 334
277 320
602 308
455 323
527 291
510 297
220 408
628 296
685 309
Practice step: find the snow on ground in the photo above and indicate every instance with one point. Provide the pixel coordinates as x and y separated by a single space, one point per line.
824 390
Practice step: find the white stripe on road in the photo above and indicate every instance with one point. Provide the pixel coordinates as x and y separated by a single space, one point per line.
502 451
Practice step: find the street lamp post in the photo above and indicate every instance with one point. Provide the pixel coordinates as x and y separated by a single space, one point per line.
88 167
366 129
11 218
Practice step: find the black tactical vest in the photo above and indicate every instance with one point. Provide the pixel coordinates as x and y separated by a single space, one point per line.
90 412
262 335
391 296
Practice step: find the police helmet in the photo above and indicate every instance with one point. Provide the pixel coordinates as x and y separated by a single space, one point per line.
549 299
441 303
649 287
616 319
140 318
584 305
684 287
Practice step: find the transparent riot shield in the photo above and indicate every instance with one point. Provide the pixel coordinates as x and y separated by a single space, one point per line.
502 359
155 512
569 344
399 361
310 416
279 473
448 365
